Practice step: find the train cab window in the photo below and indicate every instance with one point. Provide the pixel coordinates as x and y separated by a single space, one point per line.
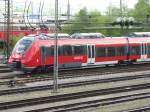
79 50
135 50
111 51
120 51
100 52
22 45
67 50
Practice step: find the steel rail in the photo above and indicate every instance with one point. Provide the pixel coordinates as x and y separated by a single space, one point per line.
79 73
65 97
73 107
66 85
142 109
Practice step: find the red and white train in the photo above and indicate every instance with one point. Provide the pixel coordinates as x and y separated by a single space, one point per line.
36 52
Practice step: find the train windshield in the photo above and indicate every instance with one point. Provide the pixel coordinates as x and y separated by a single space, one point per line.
22 45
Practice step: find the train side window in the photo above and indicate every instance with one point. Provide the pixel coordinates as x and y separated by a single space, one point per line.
148 49
60 50
43 51
84 49
120 51
50 51
67 50
79 50
100 52
135 50
111 51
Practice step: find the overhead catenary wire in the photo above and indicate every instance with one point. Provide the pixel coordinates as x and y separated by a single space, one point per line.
28 16
24 13
41 13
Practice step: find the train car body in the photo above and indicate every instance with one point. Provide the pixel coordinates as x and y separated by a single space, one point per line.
34 53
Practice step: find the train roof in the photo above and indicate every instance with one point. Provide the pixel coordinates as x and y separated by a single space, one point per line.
102 41
52 36
87 35
139 40
59 34
138 34
46 36
98 41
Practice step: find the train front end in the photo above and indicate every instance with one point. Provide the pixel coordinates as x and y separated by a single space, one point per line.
19 52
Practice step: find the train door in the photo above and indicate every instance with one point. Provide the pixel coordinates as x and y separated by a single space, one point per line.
91 54
143 52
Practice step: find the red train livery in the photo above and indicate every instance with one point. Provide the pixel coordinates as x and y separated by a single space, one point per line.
36 52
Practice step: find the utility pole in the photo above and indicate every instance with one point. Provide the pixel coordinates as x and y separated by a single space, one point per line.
32 11
68 10
121 15
7 22
55 83
121 8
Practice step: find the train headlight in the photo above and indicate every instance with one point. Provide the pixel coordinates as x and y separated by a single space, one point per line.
37 60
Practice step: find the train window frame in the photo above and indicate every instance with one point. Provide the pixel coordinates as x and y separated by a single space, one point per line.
60 50
42 51
138 50
148 49
98 53
79 48
121 50
67 53
49 51
110 53
23 45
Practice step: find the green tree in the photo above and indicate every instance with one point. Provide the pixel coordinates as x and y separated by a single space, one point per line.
141 10
81 20
84 22
113 11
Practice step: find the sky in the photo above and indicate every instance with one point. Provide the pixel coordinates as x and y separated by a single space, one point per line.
76 5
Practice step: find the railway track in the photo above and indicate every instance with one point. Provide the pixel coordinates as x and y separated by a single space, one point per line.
5 72
73 107
70 84
22 79
143 109
80 95
4 68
